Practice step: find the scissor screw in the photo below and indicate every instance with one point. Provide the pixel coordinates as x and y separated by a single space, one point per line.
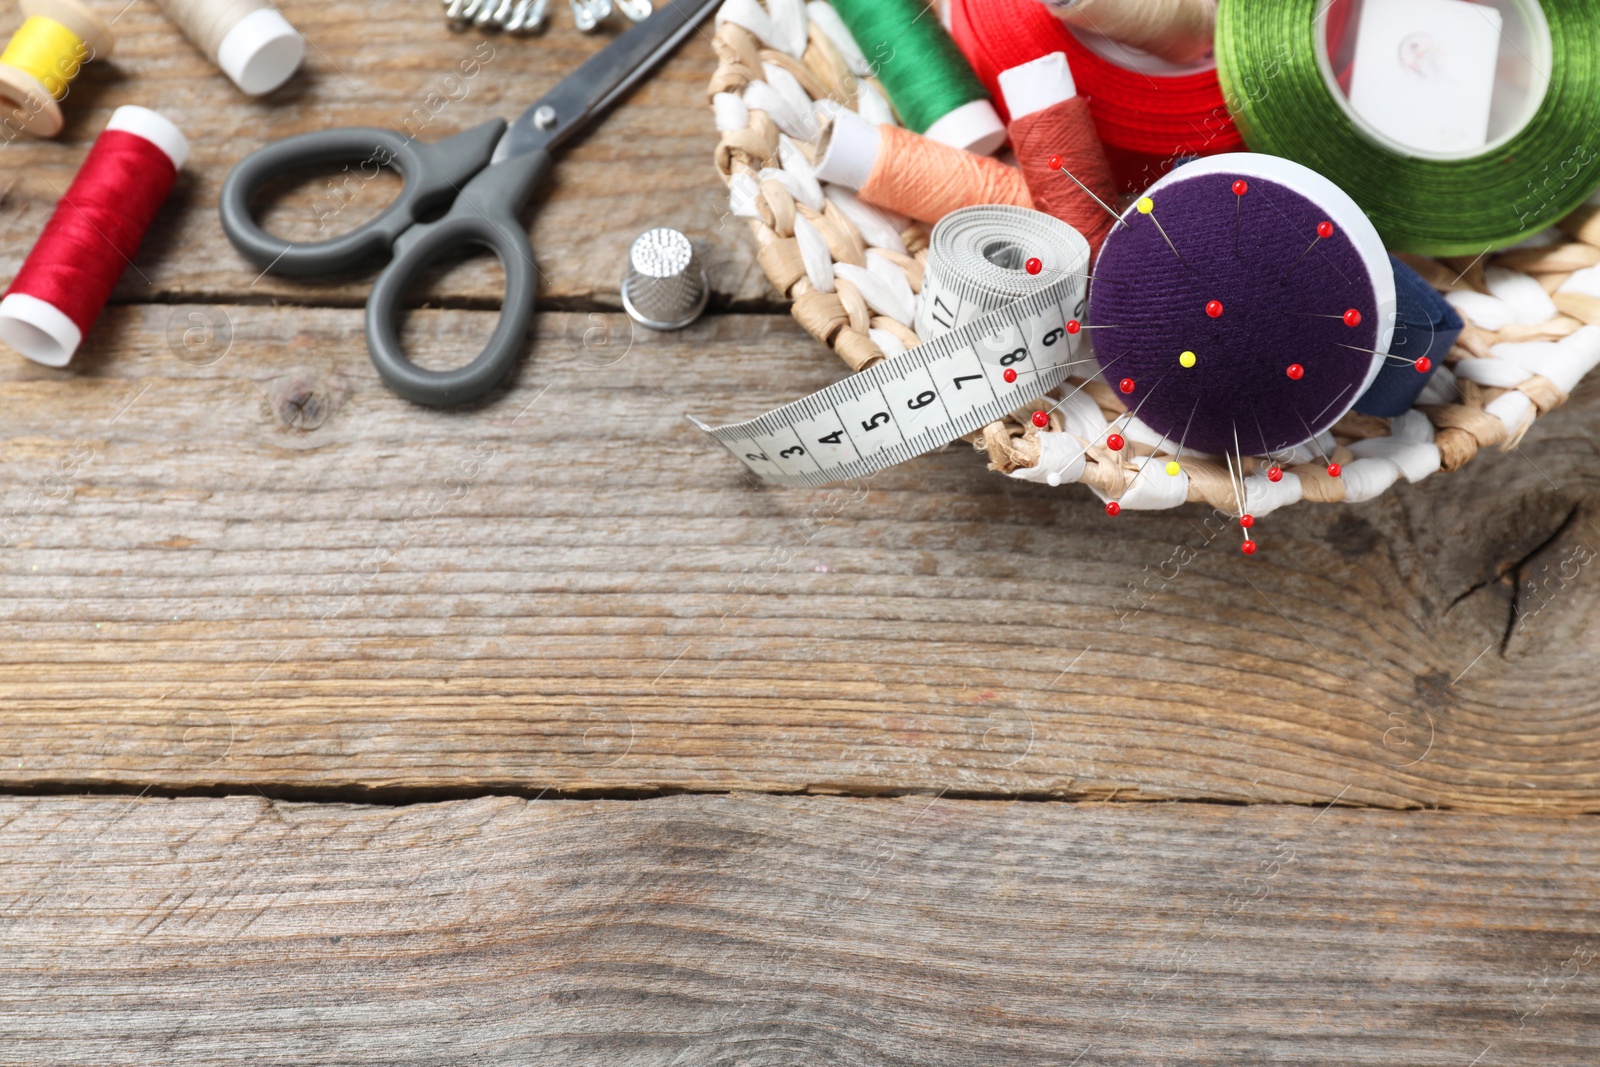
544 117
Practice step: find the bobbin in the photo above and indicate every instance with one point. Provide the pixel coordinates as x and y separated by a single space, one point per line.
39 111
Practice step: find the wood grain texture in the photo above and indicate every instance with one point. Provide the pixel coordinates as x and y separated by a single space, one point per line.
761 930
392 65
269 572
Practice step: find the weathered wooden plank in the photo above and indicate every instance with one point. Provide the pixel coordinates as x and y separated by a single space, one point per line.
567 588
738 929
396 66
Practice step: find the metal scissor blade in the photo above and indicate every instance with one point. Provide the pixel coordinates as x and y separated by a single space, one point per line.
603 77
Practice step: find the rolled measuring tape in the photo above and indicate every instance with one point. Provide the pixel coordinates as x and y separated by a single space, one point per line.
994 339
1430 201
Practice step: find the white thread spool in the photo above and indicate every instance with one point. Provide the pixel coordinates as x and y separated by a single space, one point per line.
249 39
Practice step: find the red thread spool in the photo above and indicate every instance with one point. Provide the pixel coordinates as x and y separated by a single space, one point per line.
1146 122
92 236
1051 129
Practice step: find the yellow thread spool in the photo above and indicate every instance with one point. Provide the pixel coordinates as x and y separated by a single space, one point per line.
42 59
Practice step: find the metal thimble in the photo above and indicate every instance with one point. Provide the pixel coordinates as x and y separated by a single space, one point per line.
665 288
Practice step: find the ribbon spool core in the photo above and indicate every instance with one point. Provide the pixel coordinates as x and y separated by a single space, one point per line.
35 82
1137 60
1521 58
1005 254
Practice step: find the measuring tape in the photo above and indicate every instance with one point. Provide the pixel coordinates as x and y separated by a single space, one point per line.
994 338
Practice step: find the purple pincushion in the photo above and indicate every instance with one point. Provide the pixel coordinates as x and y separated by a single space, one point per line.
1282 305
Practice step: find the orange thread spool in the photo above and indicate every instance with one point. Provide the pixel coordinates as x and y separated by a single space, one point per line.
927 180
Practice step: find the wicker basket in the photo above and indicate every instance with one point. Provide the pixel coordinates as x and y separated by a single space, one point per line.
814 241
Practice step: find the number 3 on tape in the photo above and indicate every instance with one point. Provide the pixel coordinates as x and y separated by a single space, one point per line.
912 404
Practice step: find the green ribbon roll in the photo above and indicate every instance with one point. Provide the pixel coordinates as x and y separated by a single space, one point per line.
1274 86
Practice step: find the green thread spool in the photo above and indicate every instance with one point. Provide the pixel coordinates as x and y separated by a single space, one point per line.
929 82
1271 57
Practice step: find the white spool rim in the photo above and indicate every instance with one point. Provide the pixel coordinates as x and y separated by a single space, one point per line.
38 330
153 127
35 111
973 126
849 150
1342 211
91 29
261 52
1036 85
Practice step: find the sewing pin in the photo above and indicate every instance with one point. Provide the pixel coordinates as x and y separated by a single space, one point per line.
1173 466
1057 163
1422 363
1147 206
1240 187
1333 468
1351 316
1324 231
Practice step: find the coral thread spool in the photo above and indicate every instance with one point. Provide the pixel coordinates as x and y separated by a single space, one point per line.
42 60
92 235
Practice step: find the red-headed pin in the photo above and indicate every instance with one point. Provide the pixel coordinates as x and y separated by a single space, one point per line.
1424 365
1010 375
1073 326
1040 419
1334 470
1034 265
1248 548
1214 308
1247 521
1240 187
1113 509
1057 163
1324 231
1352 318
1295 371
1126 385
1274 474
1115 442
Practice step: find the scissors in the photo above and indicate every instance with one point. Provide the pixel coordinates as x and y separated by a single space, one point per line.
484 176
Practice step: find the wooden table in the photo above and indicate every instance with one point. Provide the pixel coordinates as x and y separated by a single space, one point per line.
341 731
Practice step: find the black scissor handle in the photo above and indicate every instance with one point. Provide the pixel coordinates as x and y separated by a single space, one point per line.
485 214
432 172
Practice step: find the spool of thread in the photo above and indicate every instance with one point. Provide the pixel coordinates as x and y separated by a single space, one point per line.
253 44
1240 325
930 84
900 171
1050 121
93 234
1464 206
1148 120
1179 31
43 58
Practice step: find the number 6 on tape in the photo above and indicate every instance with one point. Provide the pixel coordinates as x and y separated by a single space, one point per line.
912 404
